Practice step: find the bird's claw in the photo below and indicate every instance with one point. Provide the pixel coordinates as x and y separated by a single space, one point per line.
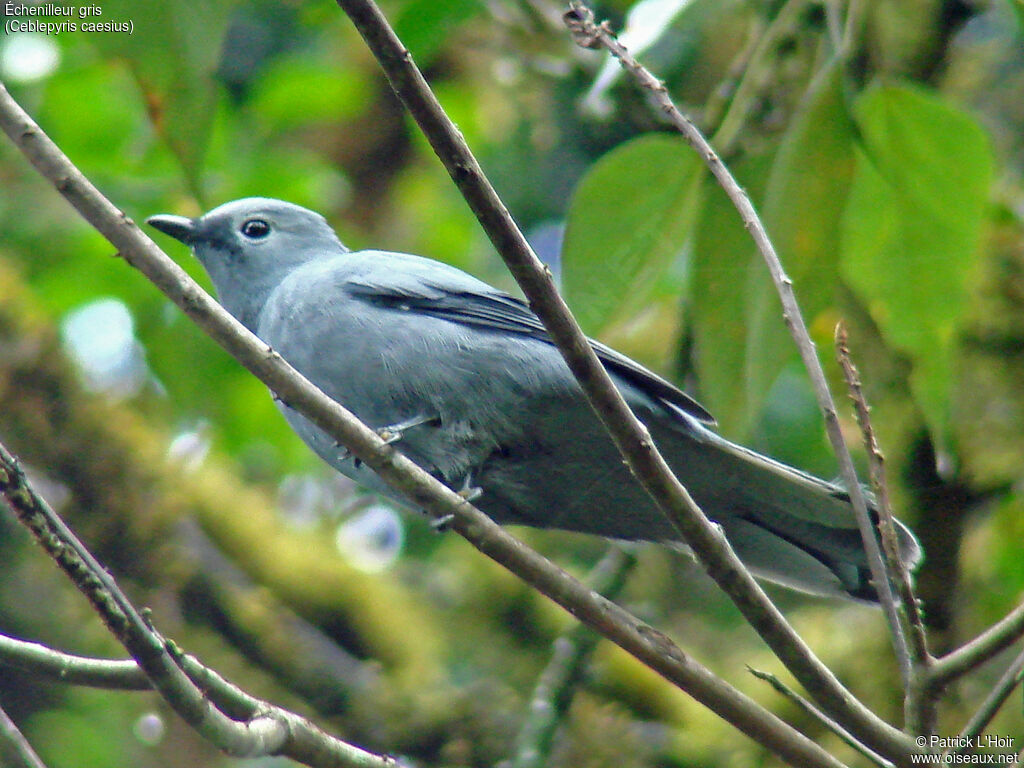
395 432
440 524
345 454
471 493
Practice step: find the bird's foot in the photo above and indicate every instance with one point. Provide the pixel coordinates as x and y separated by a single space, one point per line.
470 492
440 524
394 432
344 454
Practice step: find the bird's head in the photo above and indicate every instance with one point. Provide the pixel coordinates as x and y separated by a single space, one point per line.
248 246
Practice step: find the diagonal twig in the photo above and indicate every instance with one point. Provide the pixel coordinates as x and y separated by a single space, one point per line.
754 76
996 698
41 660
919 699
816 714
989 643
886 522
126 675
263 735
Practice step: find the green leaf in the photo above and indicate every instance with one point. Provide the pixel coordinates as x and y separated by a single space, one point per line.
803 210
172 51
742 343
425 25
912 229
627 226
723 258
1018 9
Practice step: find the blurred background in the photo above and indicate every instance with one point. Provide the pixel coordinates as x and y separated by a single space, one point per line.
882 141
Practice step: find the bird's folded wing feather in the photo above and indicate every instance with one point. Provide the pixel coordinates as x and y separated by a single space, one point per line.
476 304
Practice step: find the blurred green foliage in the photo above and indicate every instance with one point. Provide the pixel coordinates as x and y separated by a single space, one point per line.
890 179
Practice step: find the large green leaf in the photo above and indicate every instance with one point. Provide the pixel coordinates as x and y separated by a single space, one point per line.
912 228
172 51
742 343
803 210
722 259
627 225
425 25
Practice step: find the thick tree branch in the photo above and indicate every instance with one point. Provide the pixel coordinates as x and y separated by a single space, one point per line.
630 436
649 646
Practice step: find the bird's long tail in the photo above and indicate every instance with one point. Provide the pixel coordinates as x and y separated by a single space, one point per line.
786 525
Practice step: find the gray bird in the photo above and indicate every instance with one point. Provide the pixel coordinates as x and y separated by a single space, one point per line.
466 382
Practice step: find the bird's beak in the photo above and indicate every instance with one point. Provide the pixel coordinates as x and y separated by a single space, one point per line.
178 227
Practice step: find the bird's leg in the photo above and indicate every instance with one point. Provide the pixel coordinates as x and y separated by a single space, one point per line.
440 524
394 432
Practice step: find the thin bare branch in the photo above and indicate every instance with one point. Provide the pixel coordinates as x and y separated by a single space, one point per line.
755 75
649 646
43 661
886 524
571 650
580 20
818 715
994 701
851 28
973 654
260 736
259 730
920 699
126 675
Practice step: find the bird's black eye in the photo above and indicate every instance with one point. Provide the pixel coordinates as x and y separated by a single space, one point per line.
255 229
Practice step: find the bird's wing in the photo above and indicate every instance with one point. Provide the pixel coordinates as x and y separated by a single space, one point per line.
467 301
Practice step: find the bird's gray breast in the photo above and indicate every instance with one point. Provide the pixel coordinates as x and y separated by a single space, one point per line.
389 365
